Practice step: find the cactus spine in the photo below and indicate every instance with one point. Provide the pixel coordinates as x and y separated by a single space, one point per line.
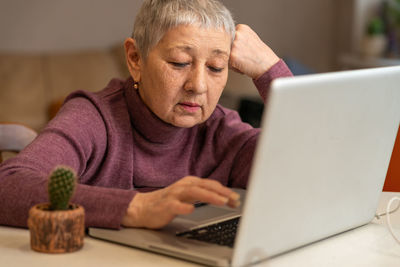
61 187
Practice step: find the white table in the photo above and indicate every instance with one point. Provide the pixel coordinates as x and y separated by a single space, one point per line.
370 245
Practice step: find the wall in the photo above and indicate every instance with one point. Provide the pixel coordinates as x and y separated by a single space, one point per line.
48 25
303 30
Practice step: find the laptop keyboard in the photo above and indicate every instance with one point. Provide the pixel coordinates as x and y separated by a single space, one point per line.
222 233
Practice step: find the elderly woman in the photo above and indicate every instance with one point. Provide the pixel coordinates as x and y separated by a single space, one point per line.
146 148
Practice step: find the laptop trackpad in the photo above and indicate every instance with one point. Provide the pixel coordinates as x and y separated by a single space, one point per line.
205 213
200 216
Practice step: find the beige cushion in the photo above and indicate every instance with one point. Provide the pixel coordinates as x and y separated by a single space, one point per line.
22 92
68 72
30 84
118 52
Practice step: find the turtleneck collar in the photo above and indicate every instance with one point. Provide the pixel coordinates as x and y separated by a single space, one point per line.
145 122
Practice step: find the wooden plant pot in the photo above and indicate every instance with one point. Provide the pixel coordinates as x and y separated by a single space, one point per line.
57 231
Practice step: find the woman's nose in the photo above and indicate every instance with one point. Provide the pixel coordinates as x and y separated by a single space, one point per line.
196 81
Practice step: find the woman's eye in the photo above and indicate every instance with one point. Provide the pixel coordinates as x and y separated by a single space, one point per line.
178 64
214 69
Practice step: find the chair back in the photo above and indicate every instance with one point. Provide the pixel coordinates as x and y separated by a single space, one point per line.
14 137
392 182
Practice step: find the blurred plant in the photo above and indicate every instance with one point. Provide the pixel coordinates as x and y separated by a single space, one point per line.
376 26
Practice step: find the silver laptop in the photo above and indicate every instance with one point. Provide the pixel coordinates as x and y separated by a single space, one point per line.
319 169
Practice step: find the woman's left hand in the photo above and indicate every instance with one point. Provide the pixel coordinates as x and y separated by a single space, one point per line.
249 54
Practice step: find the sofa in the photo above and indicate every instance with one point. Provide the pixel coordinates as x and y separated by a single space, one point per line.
33 85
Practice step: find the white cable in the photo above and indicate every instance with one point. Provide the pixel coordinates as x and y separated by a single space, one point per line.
379 215
388 207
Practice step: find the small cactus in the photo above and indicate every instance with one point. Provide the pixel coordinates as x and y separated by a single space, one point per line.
61 187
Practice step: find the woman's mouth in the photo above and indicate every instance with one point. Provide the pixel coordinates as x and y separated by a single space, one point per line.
189 106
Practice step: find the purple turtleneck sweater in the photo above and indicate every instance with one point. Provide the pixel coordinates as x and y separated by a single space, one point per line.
119 147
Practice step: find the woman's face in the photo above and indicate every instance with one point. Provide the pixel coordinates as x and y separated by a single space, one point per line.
183 76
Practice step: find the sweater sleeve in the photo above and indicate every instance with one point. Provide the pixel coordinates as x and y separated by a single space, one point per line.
242 162
77 138
279 70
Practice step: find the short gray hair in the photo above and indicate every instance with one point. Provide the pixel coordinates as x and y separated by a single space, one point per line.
156 17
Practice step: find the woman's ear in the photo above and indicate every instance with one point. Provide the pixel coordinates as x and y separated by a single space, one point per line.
133 59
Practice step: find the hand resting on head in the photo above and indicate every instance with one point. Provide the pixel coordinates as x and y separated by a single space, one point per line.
249 54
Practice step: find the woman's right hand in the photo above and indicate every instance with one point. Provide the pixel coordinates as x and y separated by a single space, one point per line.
156 209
